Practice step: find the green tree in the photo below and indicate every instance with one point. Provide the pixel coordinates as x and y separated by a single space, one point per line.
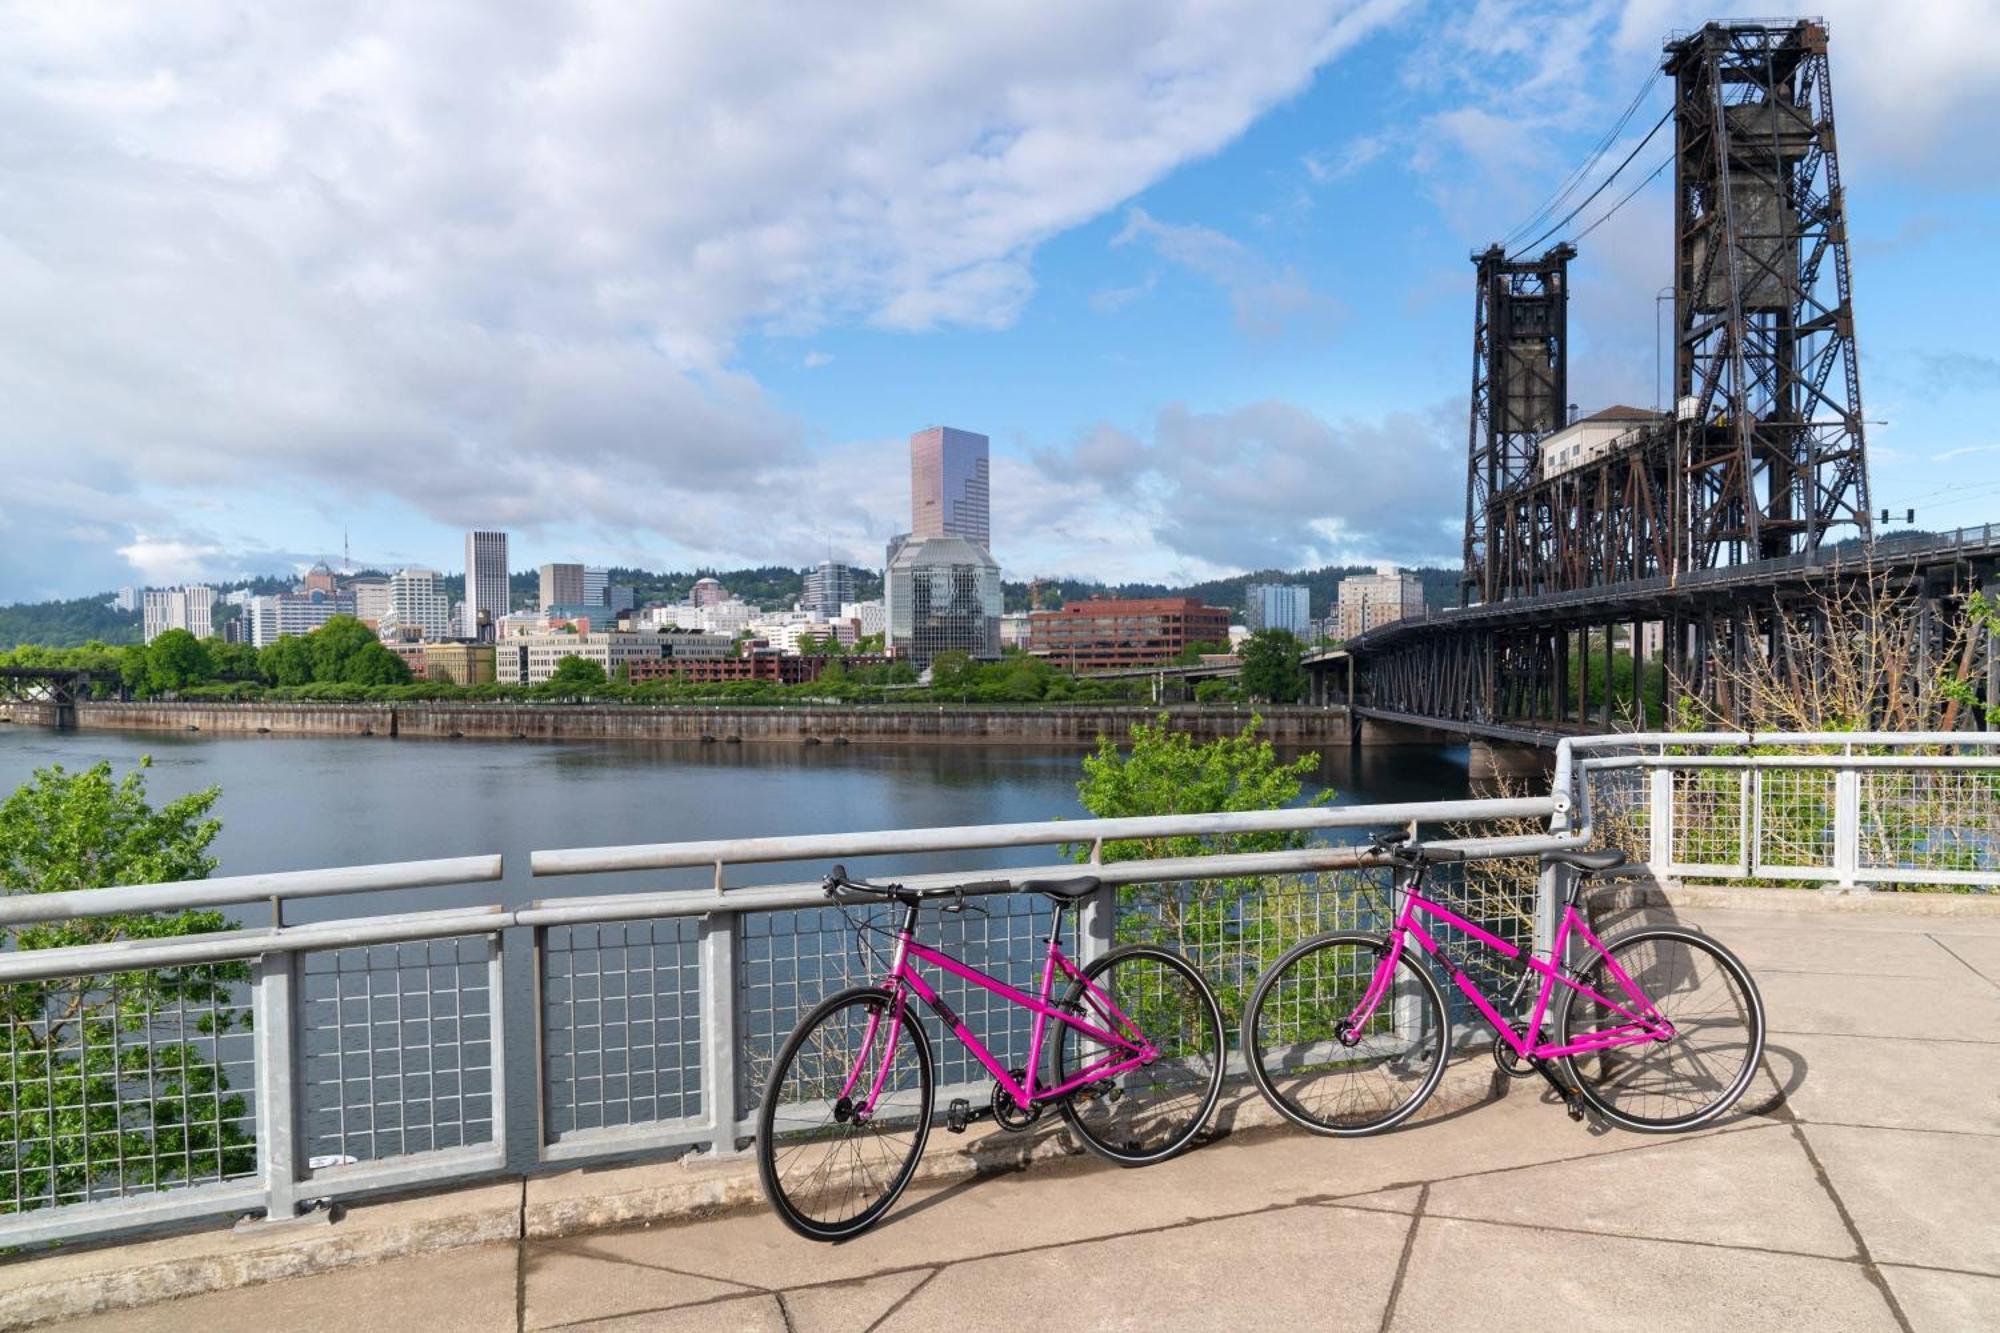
286 661
113 1080
346 652
1230 927
953 673
576 675
1193 653
1271 670
234 661
177 659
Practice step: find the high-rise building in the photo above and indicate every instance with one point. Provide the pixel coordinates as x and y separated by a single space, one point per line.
287 614
417 602
708 592
371 598
828 585
620 596
950 495
944 597
871 617
190 608
486 598
1371 600
595 581
320 578
562 585
127 600
1284 606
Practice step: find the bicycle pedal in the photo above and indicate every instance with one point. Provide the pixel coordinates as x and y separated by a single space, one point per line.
958 1115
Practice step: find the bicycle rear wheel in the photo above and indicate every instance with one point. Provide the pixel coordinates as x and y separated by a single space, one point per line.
1149 1113
1718 1017
828 1173
1324 1077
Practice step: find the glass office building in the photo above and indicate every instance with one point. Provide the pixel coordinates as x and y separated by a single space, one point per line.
944 596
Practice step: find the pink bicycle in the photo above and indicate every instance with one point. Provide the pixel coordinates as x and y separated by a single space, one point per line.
1132 1053
1659 1028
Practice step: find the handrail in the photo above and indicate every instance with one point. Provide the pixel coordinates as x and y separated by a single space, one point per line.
181 895
1043 833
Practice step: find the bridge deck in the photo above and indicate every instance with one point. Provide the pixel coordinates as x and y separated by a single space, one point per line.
1858 1188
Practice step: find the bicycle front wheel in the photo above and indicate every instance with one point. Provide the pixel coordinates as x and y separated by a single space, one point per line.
1145 1114
1718 1020
831 1165
1321 1072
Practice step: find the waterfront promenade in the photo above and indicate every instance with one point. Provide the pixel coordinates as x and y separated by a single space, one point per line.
1853 1190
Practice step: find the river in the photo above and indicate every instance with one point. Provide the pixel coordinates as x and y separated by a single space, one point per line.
290 803
294 803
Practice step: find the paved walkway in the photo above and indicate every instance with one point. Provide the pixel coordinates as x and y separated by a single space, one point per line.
1859 1189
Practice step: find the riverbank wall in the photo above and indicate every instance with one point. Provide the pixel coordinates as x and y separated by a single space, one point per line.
807 725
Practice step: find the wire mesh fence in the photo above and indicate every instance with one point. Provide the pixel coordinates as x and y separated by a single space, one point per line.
124 1084
396 1047
621 1024
1930 819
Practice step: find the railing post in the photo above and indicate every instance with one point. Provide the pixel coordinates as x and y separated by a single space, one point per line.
1097 919
1846 827
719 1041
496 1038
280 1138
1660 824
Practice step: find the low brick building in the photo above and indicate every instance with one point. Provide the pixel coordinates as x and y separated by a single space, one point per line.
1110 634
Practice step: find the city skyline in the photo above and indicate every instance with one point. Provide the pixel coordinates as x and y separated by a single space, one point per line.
1212 317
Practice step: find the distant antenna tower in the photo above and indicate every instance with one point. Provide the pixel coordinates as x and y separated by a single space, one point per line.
346 555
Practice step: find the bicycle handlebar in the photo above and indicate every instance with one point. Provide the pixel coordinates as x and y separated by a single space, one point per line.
1396 845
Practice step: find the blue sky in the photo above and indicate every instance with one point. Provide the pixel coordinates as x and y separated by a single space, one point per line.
673 288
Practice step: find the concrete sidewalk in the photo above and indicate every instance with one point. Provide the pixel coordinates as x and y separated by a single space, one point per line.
1858 1188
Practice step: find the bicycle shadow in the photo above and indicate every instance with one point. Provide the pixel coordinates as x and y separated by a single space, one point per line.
1617 904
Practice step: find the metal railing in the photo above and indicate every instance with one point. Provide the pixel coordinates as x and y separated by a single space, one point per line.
1853 810
252 1071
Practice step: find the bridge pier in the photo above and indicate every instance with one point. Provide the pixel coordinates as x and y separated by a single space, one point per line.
1505 763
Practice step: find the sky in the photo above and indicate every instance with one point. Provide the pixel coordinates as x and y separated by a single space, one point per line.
671 285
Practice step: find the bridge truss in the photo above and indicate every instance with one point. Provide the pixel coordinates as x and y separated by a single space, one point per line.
1694 536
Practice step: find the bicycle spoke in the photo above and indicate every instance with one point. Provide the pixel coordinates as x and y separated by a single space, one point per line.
1718 1033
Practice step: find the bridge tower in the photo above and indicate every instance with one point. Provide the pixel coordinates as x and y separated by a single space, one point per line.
1520 395
1767 389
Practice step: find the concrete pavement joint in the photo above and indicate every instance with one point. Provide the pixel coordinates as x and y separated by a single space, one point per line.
575 1253
1881 1036
1847 1220
1961 959
521 1265
904 1299
1403 1263
1901 1129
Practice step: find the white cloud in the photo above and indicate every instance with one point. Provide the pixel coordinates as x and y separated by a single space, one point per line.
1264 299
496 266
815 358
1267 485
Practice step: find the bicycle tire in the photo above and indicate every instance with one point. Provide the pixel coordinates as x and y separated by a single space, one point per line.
1713 1022
1300 1063
1153 1112
885 1174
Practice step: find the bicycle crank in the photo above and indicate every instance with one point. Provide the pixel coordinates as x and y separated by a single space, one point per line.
1009 1114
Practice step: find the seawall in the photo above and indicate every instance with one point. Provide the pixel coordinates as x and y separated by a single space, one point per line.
917 725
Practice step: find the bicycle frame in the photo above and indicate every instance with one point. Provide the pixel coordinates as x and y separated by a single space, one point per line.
1642 1022
1129 1048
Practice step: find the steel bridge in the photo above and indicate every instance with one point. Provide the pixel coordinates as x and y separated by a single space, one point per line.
1707 536
57 688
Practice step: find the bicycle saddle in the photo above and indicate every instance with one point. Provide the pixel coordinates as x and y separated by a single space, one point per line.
1063 890
1604 858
